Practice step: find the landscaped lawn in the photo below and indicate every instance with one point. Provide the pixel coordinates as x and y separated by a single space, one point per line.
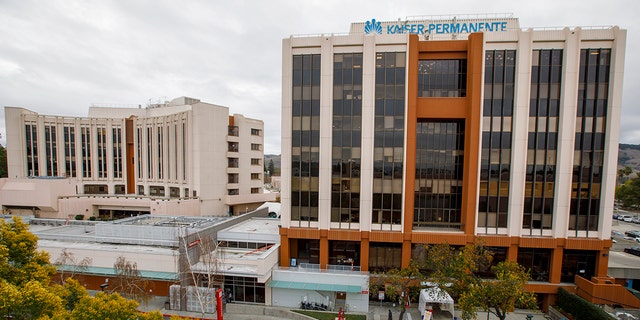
330 315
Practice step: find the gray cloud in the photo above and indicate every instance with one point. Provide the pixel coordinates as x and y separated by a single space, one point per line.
59 57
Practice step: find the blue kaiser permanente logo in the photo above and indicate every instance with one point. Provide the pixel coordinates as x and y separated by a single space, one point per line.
372 26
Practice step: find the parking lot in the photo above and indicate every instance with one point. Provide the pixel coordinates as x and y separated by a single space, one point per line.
618 233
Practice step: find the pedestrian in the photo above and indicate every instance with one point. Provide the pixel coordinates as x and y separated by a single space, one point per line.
390 315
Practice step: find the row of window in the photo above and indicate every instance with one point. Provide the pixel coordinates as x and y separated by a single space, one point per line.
384 257
235 147
234 131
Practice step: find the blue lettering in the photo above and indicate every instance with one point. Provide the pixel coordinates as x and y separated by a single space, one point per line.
464 28
480 26
431 27
445 28
414 27
398 29
439 28
473 27
389 29
487 26
504 25
455 27
420 28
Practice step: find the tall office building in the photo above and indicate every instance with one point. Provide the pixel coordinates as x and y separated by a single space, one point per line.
448 129
180 157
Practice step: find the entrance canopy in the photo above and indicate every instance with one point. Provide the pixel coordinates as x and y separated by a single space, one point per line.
433 296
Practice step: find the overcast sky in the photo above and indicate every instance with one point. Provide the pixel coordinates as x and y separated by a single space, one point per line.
60 57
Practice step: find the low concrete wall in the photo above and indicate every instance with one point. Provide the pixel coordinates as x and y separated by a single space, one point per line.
283 313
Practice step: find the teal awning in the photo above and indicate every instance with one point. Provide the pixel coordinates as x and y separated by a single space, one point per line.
315 286
156 275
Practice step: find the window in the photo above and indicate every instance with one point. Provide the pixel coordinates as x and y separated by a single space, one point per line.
438 177
233 192
51 149
255 190
255 176
305 133
232 178
347 132
70 151
102 151
95 189
388 152
156 191
233 162
140 190
442 78
86 151
589 139
256 147
495 162
546 70
233 131
120 189
117 152
255 161
232 146
174 192
32 149
256 132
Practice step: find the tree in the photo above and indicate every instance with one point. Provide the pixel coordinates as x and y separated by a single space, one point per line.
629 193
456 270
272 168
623 173
109 306
32 300
499 296
20 261
128 281
69 266
398 284
3 162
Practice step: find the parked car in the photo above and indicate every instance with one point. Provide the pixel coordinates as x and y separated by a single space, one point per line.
625 217
635 220
633 250
632 233
616 233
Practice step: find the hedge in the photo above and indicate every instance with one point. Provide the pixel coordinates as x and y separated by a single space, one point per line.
580 308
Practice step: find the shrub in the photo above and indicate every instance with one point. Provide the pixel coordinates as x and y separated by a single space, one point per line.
581 309
79 216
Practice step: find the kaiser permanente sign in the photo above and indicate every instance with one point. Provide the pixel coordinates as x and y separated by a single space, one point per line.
436 27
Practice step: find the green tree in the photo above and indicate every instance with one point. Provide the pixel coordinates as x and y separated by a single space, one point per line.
33 300
398 284
456 270
623 173
629 193
499 296
109 306
271 168
3 162
20 261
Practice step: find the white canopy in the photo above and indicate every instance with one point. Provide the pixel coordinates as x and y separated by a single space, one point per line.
435 295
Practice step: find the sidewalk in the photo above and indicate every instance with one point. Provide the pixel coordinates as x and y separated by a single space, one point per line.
377 311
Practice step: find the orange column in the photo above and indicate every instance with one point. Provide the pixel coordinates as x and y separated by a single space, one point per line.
475 76
364 251
324 248
129 156
284 248
556 265
602 261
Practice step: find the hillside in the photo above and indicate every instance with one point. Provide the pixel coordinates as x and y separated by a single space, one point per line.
272 157
629 155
